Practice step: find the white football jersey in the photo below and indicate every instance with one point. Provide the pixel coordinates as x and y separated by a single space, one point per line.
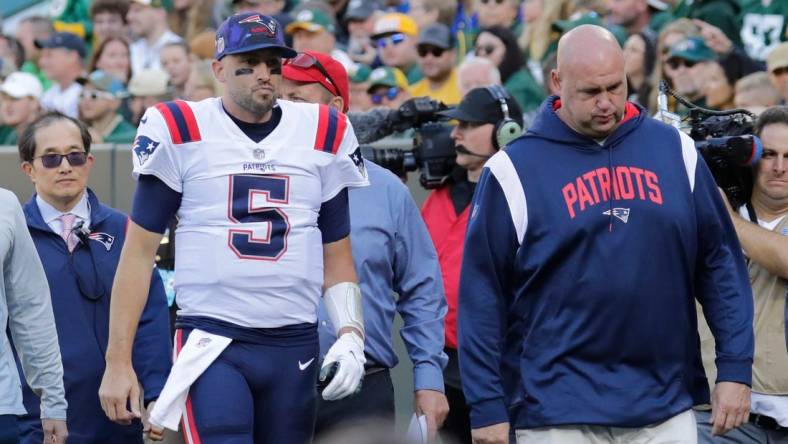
248 247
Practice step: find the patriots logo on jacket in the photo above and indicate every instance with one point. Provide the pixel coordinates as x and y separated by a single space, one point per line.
105 239
144 148
621 213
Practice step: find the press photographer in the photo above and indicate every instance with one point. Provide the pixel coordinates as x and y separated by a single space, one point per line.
763 233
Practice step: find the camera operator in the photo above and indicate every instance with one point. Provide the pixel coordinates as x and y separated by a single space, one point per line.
766 245
488 119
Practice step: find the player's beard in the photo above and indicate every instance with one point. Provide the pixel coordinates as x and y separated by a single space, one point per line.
246 100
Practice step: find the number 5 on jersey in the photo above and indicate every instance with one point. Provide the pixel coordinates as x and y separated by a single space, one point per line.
249 193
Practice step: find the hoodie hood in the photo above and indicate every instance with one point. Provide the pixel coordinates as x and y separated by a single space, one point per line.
547 125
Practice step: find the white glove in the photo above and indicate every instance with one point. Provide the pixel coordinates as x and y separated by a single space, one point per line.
348 353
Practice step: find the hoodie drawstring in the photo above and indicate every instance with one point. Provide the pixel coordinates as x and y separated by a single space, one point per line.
612 181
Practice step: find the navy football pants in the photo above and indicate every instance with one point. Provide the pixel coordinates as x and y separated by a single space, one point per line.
253 393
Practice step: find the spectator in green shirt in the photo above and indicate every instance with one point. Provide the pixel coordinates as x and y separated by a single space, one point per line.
98 107
19 106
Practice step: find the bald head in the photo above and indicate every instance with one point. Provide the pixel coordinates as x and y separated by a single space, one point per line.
591 79
588 45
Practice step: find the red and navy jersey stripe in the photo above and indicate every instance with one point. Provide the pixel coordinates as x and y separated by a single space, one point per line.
331 125
180 120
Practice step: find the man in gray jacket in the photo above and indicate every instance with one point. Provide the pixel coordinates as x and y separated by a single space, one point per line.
26 310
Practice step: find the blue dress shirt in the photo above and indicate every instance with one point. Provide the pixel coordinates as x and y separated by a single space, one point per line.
393 253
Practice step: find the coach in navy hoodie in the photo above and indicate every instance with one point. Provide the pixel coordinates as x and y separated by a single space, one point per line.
593 235
80 263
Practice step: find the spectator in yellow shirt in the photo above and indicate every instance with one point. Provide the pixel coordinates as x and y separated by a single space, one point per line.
437 58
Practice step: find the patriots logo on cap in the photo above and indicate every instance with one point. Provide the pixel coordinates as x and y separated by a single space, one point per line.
268 26
144 148
621 213
105 239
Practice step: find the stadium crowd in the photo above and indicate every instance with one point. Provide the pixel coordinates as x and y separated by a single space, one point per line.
94 71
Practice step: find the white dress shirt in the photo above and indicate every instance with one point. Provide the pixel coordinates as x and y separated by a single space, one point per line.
51 215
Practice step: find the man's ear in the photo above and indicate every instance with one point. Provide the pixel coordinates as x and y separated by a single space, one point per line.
27 168
337 103
218 70
555 80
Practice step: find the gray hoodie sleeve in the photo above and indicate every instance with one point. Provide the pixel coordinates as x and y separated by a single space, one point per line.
30 317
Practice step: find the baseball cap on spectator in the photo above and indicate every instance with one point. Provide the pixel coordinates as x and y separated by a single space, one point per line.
306 67
312 20
21 84
250 31
359 73
778 57
479 106
438 35
149 82
393 23
360 10
693 49
65 40
387 76
103 81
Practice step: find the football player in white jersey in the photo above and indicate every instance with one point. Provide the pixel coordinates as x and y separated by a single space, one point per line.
260 191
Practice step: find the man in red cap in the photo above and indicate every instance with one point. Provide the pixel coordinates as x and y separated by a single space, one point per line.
314 77
393 253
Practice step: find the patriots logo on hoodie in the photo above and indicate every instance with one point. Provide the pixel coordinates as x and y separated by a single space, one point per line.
621 213
105 239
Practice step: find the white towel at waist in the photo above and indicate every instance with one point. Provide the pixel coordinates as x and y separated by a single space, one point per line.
200 350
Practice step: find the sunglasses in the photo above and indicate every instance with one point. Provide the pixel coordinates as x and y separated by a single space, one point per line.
93 95
393 40
306 61
434 50
390 94
675 63
484 2
52 160
484 50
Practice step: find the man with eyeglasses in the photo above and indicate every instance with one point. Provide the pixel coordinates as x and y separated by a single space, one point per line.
98 107
388 87
393 254
437 57
395 36
79 240
686 66
260 187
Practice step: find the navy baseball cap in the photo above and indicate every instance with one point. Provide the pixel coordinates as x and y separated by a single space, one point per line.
250 31
64 40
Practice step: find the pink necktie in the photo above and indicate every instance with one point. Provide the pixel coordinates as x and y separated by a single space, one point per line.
67 234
